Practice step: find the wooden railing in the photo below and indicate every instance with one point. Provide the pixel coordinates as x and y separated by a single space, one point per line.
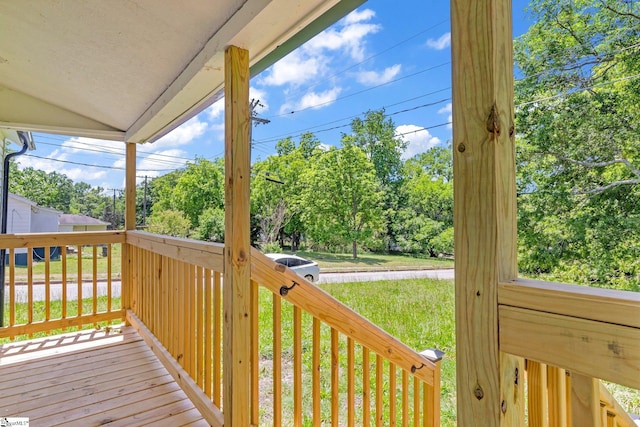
368 376
593 333
304 363
79 289
559 398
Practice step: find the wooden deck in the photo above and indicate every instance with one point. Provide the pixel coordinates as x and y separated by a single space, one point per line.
91 378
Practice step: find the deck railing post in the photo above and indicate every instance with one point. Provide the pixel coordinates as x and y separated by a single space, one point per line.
129 224
237 261
489 383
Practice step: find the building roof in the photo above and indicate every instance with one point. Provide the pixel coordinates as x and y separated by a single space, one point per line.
32 204
70 219
132 70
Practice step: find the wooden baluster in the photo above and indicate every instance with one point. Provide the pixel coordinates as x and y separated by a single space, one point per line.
335 378
315 375
47 282
277 360
405 398
351 395
585 401
208 333
538 397
416 401
366 388
297 366
379 390
392 395
557 394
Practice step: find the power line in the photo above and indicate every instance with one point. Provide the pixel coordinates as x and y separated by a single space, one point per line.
340 98
93 165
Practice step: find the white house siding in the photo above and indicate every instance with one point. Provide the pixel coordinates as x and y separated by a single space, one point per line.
44 220
18 215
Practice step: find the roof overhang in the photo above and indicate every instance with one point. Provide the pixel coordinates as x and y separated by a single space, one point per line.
134 70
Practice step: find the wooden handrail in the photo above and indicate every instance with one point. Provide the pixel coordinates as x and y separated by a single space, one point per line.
205 254
323 306
25 240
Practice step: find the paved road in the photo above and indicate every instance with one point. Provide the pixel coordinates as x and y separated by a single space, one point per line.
87 288
384 275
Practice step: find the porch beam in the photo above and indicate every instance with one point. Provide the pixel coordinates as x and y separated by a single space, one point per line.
237 262
489 383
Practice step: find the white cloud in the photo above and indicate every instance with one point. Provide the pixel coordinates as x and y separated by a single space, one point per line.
441 43
216 110
76 173
295 69
373 78
312 100
183 134
447 110
418 139
358 16
312 60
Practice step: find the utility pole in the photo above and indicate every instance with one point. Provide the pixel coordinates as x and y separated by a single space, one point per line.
144 203
254 117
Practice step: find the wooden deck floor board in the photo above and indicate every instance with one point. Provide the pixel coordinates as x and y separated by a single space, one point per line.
88 379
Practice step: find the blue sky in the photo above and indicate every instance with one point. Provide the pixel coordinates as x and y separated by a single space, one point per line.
386 54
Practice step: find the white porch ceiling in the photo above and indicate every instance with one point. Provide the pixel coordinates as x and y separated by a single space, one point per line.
132 70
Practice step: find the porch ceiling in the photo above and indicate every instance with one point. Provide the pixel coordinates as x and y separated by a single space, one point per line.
135 69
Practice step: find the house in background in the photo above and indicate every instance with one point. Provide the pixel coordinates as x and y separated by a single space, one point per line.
25 216
70 223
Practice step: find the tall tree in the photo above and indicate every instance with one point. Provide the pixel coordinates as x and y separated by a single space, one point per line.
343 200
579 148
376 136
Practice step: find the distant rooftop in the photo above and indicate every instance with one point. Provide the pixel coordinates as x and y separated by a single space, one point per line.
70 219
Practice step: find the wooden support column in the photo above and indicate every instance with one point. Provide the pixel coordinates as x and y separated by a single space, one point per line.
129 222
237 262
489 383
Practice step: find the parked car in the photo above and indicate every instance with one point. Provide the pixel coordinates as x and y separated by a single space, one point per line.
304 267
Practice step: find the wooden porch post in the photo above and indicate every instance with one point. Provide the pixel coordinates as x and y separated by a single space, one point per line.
489 383
237 261
129 221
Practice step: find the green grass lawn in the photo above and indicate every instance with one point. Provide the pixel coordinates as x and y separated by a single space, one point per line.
373 261
55 267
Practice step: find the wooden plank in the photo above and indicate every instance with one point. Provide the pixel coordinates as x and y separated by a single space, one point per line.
611 352
208 410
217 339
158 416
585 401
255 356
25 240
237 271
405 399
606 305
392 395
204 254
379 391
484 208
332 312
60 324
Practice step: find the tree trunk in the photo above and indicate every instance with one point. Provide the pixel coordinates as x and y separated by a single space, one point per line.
355 249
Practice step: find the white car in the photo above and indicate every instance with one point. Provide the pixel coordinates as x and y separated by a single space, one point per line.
304 267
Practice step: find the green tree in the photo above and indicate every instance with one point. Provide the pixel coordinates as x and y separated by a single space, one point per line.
342 199
199 187
425 223
375 135
170 223
578 147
